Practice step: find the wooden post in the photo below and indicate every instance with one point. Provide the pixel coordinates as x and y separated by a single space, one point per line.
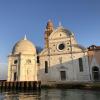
22 85
31 85
11 85
14 85
4 85
27 86
18 86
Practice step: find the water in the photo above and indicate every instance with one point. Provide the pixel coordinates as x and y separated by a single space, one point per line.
52 94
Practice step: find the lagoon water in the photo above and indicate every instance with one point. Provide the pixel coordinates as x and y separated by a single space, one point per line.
52 94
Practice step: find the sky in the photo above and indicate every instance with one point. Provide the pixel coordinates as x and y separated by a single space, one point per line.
20 17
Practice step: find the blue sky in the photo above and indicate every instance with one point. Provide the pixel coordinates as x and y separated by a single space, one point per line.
20 17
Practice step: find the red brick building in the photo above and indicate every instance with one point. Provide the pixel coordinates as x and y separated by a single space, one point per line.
94 62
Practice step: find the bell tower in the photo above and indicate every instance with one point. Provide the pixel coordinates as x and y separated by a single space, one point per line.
49 29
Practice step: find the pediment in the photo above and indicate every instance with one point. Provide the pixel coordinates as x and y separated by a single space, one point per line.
60 33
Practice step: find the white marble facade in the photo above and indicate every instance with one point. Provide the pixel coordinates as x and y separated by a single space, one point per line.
22 64
62 59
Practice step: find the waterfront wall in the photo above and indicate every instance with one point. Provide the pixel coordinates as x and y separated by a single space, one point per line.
20 85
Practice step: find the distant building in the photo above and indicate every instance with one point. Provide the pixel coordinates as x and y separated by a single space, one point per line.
61 60
94 62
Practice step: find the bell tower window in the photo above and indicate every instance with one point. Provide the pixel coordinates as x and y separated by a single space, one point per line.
15 61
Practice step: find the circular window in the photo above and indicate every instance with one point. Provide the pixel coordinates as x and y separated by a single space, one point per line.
68 43
61 46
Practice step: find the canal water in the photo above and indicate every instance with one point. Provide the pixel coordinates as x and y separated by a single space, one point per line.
52 94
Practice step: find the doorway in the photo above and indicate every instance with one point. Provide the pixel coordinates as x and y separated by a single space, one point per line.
63 75
15 76
95 73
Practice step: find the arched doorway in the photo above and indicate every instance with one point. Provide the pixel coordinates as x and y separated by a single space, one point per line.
95 73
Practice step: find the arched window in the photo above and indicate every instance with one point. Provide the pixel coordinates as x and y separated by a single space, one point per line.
46 66
95 69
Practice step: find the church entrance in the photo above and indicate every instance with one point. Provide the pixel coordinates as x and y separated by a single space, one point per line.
95 73
63 75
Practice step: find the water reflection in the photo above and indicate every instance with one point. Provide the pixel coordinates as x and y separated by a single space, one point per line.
52 94
20 95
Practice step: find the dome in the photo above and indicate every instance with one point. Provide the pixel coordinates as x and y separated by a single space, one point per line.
24 46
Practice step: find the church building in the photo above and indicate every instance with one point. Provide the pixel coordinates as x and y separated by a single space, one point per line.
61 60
22 62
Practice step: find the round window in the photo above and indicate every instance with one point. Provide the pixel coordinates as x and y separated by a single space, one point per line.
61 46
